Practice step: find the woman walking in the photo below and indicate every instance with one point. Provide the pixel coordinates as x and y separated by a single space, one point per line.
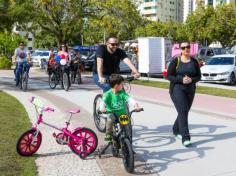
183 73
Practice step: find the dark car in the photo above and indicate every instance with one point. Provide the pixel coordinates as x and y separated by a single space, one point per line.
206 52
89 61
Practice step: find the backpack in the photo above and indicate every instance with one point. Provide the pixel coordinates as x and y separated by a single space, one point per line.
178 62
21 54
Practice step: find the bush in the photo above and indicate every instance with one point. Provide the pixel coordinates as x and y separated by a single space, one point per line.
5 63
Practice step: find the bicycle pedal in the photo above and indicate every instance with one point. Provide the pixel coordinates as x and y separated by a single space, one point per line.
54 135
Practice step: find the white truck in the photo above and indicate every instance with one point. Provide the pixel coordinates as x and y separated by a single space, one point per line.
153 54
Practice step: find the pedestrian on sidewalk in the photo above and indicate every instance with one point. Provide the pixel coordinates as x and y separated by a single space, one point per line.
183 73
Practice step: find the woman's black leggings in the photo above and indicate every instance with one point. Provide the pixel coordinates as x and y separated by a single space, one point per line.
182 97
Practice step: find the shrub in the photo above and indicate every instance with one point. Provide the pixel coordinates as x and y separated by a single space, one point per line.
5 63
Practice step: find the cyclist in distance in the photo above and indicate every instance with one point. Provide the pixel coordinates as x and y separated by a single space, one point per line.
107 62
19 58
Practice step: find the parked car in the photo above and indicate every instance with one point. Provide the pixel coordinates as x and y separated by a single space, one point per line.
220 69
205 53
89 62
40 58
123 67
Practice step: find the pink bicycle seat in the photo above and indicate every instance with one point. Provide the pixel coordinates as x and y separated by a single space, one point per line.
73 111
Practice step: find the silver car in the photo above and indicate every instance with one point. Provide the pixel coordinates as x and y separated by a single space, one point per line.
220 69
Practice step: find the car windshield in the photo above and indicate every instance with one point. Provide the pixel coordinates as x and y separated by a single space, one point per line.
220 61
44 54
36 53
219 51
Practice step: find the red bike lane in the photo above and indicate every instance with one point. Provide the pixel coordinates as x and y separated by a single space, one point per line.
207 104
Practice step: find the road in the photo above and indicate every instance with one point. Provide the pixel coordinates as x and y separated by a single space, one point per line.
158 152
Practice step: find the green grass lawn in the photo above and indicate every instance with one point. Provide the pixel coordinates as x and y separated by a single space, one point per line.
200 89
13 122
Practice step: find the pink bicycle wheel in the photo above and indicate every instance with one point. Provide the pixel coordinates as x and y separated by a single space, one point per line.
85 144
25 144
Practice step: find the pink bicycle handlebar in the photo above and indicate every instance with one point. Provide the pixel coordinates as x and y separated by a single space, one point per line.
48 109
37 103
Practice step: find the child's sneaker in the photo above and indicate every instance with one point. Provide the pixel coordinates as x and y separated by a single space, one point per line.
108 137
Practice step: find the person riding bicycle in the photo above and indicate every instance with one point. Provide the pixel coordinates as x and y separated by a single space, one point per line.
107 62
114 101
64 56
76 62
51 63
20 57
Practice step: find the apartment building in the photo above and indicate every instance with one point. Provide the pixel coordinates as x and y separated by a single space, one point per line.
161 10
191 5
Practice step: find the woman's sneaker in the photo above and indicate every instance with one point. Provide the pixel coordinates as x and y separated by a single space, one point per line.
178 135
187 143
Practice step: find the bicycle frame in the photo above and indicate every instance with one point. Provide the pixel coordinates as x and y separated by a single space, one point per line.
64 130
82 141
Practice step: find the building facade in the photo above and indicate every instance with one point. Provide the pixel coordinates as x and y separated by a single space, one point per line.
161 10
191 5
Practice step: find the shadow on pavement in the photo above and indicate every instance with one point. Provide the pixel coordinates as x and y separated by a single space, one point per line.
146 140
53 154
41 83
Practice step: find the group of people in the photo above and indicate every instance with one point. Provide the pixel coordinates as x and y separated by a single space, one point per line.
65 56
183 74
22 56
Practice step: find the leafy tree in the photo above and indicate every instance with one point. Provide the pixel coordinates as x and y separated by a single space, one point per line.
5 19
112 18
62 19
8 43
197 25
151 29
13 11
223 25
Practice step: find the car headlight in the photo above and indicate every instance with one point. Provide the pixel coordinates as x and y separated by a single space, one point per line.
224 73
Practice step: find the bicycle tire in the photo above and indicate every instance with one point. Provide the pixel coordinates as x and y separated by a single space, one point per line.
52 80
20 80
128 155
128 127
79 78
72 77
89 142
24 146
25 81
65 81
97 120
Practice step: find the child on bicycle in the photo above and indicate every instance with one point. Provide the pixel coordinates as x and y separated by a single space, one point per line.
114 101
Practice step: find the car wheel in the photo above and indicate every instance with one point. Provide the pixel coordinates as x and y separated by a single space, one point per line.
232 80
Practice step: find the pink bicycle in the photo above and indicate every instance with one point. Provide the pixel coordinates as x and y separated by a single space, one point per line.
82 141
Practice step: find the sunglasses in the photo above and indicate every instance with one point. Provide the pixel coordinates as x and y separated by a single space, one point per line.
114 44
184 47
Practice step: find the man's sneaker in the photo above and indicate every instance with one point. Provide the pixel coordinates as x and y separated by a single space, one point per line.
108 137
187 143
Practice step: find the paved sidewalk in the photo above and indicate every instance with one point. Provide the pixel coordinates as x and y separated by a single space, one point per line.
207 104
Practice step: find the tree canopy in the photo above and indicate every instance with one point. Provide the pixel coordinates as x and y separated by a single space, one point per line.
90 21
